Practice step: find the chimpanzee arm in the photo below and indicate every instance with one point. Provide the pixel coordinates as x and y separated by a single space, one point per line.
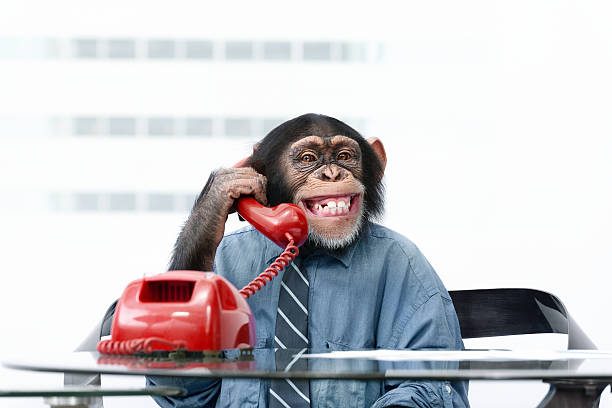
197 243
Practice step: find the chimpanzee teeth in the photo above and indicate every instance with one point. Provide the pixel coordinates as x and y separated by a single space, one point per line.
338 206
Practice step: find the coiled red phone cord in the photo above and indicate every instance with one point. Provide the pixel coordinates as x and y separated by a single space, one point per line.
284 259
133 346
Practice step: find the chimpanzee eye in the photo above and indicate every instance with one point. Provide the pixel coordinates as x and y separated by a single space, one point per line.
308 157
343 156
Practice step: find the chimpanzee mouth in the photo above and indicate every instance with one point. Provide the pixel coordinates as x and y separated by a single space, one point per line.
333 206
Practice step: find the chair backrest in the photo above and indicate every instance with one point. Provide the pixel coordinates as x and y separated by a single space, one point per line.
107 320
511 311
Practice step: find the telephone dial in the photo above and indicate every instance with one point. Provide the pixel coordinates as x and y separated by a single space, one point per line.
193 311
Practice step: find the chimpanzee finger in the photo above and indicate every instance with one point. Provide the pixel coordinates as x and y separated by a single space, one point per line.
239 188
247 175
258 181
260 192
239 170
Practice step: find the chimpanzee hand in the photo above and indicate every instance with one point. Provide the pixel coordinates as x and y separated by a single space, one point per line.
226 185
197 243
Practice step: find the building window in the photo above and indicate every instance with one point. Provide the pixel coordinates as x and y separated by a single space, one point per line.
238 127
277 51
121 49
238 50
160 202
159 49
198 127
122 202
317 51
86 202
85 126
85 48
161 126
198 49
122 126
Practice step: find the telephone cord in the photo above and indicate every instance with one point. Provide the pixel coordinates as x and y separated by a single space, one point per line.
132 346
284 259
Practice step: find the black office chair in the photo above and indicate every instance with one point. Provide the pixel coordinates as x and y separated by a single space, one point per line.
505 312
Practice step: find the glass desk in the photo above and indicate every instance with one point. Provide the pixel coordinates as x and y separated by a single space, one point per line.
577 377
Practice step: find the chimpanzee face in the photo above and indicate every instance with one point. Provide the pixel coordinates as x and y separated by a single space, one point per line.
324 174
329 170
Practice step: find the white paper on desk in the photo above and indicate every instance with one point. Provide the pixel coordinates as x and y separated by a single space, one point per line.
463 355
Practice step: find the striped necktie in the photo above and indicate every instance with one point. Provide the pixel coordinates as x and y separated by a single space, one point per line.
291 333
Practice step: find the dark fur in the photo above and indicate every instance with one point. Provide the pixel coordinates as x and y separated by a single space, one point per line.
265 159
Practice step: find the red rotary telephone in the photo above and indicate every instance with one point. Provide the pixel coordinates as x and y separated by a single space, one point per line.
202 311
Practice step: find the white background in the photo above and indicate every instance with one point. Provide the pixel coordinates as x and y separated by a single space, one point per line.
495 116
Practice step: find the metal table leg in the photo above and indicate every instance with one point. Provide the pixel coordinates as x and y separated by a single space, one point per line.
573 394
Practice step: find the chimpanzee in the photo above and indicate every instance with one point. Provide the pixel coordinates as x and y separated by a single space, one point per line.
366 286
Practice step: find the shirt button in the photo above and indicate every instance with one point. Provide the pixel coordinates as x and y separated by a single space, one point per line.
448 388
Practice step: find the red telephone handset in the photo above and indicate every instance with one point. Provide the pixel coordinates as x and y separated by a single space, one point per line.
285 225
275 222
195 311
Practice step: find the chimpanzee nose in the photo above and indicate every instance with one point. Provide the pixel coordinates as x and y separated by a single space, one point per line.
332 172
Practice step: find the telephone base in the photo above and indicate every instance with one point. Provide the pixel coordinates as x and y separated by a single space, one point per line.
179 359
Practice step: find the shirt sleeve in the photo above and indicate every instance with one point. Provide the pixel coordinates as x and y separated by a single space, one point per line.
200 392
430 323
424 333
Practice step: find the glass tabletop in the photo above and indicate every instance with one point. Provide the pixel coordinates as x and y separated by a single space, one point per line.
93 391
323 364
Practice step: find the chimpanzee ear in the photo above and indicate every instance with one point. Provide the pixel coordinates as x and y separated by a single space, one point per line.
242 163
379 149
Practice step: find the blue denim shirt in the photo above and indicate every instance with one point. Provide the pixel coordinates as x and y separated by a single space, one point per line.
380 292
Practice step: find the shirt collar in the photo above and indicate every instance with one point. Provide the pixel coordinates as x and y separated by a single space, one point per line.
344 255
